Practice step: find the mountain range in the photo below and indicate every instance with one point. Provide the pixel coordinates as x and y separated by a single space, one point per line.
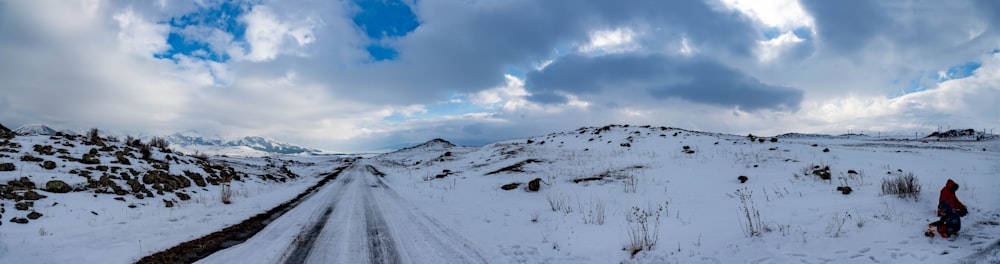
192 139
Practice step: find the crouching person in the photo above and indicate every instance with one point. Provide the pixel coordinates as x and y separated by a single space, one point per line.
950 209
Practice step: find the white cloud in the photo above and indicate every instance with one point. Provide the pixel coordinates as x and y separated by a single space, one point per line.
267 35
782 14
411 110
686 47
771 49
967 102
617 40
512 91
140 36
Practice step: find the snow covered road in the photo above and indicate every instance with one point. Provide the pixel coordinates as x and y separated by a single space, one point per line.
356 219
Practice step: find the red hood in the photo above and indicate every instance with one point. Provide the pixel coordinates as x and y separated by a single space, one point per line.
950 185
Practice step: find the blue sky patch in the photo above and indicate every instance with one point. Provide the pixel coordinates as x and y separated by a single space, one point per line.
772 33
384 19
959 71
381 53
446 108
926 81
189 34
803 33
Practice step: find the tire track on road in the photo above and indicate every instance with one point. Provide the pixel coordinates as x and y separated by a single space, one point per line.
304 243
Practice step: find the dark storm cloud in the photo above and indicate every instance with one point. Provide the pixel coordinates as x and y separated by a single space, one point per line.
466 47
847 25
947 29
696 79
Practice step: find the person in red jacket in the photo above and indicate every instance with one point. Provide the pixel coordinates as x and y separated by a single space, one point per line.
950 209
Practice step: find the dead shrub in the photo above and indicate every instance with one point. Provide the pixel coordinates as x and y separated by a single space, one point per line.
902 185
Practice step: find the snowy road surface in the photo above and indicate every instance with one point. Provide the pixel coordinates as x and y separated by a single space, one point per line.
355 219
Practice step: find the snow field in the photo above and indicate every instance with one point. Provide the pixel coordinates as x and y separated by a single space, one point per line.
805 218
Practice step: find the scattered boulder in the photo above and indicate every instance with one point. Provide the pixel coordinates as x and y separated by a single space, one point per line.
31 195
7 167
444 173
826 149
34 215
535 185
49 165
743 179
19 220
162 180
168 203
510 186
120 155
852 172
23 206
198 179
823 173
845 190
22 184
183 196
58 186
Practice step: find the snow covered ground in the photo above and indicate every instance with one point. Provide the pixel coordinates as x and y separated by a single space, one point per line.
665 195
91 226
695 197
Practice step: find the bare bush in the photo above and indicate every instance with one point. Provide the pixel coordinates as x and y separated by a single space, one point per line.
227 193
593 212
558 203
93 136
750 220
643 228
630 184
159 142
200 155
836 225
902 185
145 150
132 141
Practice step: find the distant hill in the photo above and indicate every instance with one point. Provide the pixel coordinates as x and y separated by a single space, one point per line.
4 129
961 134
35 129
436 143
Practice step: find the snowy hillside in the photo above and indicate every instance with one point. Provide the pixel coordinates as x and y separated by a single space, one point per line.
108 202
613 194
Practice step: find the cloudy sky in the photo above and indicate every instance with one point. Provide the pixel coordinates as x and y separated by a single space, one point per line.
351 75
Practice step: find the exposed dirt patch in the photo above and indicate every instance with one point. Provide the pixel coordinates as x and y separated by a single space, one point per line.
517 167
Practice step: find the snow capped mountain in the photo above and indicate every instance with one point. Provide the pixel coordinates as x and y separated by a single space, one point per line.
4 129
35 129
193 138
269 145
246 146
